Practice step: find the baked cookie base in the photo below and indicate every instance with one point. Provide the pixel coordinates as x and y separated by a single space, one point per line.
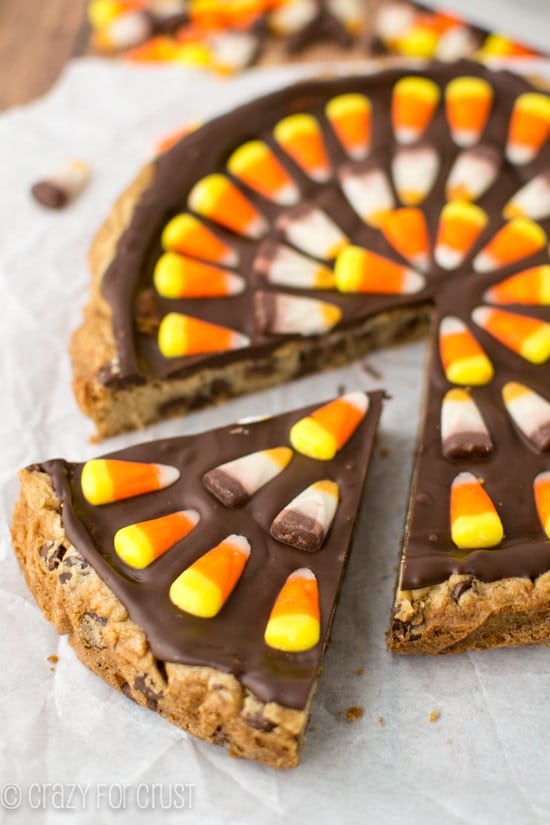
208 703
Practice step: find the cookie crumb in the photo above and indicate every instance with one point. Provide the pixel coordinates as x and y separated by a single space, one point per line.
381 721
354 713
434 716
370 370
448 741
360 671
53 659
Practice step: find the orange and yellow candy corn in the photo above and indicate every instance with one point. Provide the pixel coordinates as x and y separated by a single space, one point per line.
414 170
464 361
350 117
541 489
181 335
519 238
525 336
529 127
217 198
138 545
475 523
532 286
295 620
406 231
414 102
468 102
460 225
204 587
360 270
472 173
255 164
325 431
189 236
300 137
529 412
176 276
105 480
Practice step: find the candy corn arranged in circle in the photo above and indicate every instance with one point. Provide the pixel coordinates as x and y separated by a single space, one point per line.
468 104
295 620
360 270
460 225
529 412
189 236
217 198
236 481
414 102
519 238
181 335
287 18
532 286
464 361
325 431
350 117
525 336
276 313
541 489
104 480
255 164
281 265
368 190
473 173
475 523
138 545
312 231
464 433
306 520
204 587
532 200
301 138
176 276
529 127
406 231
414 170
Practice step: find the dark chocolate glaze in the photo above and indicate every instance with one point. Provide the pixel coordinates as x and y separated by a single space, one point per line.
233 640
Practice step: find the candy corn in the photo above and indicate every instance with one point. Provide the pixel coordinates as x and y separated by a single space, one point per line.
204 587
138 545
393 20
460 225
325 431
541 489
312 232
407 231
414 102
414 171
294 624
236 481
351 13
532 286
306 520
464 433
464 361
181 335
278 314
63 185
301 138
178 277
217 198
468 103
123 31
532 200
287 18
350 117
519 238
105 480
458 41
368 191
189 236
255 164
475 523
279 264
360 270
528 337
529 127
473 172
529 412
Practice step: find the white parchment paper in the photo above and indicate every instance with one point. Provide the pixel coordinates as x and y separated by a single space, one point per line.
486 759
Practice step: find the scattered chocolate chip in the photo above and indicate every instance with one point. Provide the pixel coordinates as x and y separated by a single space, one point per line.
152 696
258 722
65 577
127 691
460 588
52 555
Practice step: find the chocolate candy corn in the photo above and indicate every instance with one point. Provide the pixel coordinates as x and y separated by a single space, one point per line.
414 102
255 164
532 200
519 238
541 489
235 481
138 545
325 431
528 337
312 231
368 190
279 264
529 412
278 314
468 103
407 231
473 173
294 623
460 225
204 587
464 433
532 286
306 520
105 480
288 18
529 127
414 171
360 270
63 185
217 198
300 137
464 361
475 523
189 236
181 335
350 117
176 276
